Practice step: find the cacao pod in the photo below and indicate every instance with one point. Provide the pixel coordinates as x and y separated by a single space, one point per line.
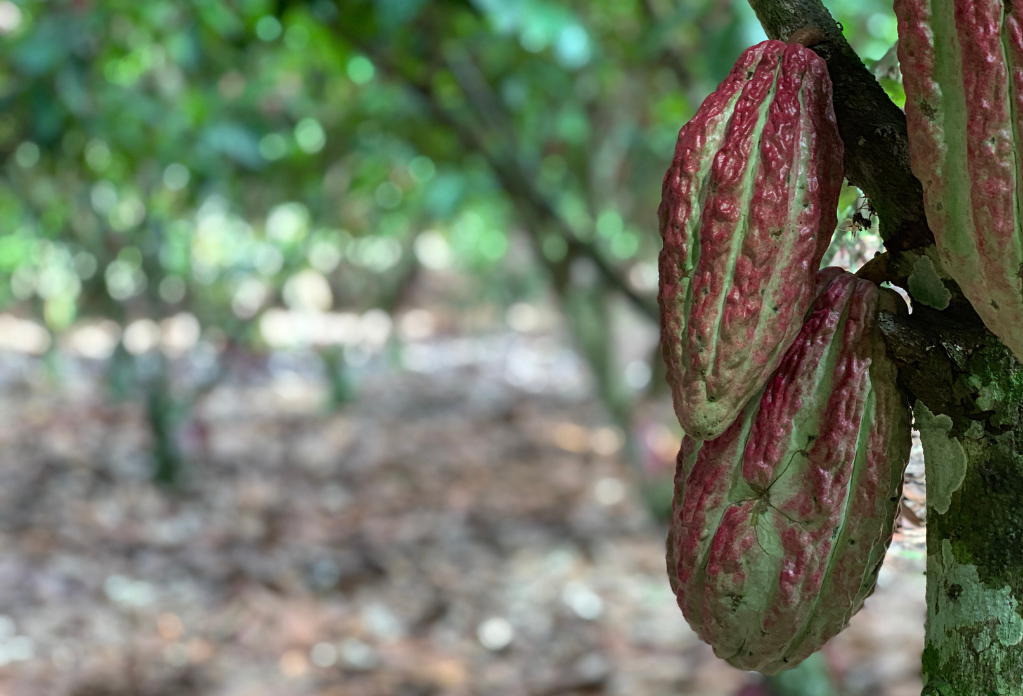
962 69
747 211
779 526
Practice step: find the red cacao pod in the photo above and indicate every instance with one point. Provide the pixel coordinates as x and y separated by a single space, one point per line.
779 525
748 209
962 69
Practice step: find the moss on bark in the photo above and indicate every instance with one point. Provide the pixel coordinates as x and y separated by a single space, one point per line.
974 643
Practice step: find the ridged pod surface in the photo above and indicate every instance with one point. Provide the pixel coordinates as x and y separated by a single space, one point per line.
779 526
747 211
962 69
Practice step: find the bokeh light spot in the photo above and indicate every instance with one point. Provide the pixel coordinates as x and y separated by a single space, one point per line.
360 70
310 136
273 146
176 176
572 49
27 154
268 28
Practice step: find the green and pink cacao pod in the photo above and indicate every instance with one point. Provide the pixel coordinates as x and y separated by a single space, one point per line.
779 526
748 209
962 70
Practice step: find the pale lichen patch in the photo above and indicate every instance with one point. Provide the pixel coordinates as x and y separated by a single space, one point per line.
925 284
944 457
966 616
975 431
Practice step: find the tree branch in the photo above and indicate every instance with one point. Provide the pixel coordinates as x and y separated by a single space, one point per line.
516 182
520 183
929 354
476 88
872 127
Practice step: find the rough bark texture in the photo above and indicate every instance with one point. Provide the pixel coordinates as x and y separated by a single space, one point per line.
969 388
962 66
780 524
975 500
748 210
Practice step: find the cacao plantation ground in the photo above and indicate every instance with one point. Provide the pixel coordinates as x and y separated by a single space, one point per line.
468 526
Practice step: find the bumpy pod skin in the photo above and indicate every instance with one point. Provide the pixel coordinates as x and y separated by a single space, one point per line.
962 69
779 525
748 209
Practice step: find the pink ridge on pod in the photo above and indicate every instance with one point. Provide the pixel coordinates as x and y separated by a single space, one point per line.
747 211
779 526
962 67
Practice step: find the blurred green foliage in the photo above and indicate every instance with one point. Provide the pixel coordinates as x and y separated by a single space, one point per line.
224 157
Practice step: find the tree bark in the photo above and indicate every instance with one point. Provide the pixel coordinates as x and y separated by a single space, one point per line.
967 387
974 501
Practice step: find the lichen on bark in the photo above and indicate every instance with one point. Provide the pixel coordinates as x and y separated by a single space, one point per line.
970 621
944 458
974 639
925 284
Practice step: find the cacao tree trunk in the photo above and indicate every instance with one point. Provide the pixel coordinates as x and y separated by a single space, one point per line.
966 386
969 391
974 639
975 576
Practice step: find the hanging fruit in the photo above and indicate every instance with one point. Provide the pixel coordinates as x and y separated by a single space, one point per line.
748 209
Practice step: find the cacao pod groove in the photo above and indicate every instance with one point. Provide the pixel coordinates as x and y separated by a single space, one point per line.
748 209
779 526
962 68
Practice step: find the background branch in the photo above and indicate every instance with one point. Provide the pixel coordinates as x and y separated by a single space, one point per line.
518 183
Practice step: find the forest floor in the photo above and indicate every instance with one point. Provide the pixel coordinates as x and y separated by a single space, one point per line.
469 525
